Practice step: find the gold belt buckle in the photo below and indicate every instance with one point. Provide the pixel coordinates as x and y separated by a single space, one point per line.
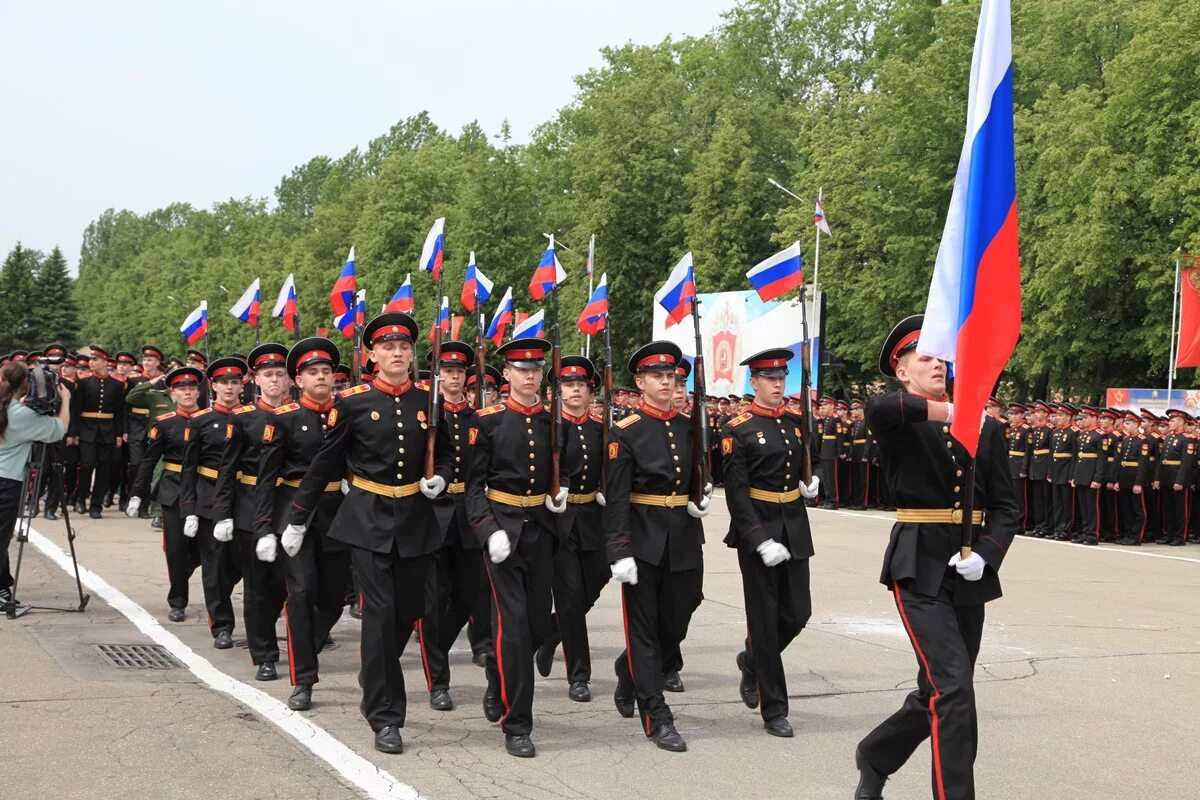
956 516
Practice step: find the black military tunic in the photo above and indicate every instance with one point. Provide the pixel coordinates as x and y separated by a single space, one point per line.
764 455
831 434
859 489
166 439
1018 437
1175 468
1040 506
1134 473
1090 467
1062 468
98 419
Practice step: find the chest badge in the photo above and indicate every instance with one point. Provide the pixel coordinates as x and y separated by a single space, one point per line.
375 415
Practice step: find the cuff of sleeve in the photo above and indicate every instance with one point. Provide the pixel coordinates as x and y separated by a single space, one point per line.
755 536
990 551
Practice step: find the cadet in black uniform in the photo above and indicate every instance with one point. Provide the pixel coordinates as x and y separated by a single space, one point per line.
939 596
580 564
98 420
1062 470
830 431
138 420
1088 477
509 508
1134 473
765 489
857 458
207 431
1017 434
1110 440
459 566
1174 478
234 504
654 538
167 439
1040 505
378 433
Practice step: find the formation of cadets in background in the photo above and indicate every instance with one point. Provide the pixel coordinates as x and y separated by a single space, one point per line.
272 470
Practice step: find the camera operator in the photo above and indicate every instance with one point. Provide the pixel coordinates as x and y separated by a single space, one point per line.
20 427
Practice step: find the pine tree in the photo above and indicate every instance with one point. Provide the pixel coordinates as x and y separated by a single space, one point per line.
17 299
58 320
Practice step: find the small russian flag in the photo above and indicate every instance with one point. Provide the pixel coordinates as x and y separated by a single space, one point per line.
549 274
434 249
285 305
677 293
443 319
195 327
360 308
476 287
533 325
819 218
776 276
248 308
402 300
341 298
502 319
595 313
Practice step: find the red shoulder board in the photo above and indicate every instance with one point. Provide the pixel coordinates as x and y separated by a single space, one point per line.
353 390
287 408
596 417
490 410
739 419
167 415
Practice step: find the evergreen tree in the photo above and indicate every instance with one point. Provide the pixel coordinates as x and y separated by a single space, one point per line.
18 301
58 318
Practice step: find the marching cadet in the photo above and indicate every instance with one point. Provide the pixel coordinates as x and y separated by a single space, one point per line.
1018 459
139 416
56 452
939 595
1109 442
459 567
857 458
377 432
1133 476
831 445
1040 433
509 506
97 421
766 488
196 358
313 578
234 505
1088 477
1152 492
118 484
654 539
1062 468
167 439
343 378
1174 478
207 431
580 563
491 379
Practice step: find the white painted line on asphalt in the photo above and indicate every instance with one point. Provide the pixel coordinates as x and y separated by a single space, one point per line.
376 783
1101 549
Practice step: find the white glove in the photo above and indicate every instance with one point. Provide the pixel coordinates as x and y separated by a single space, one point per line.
432 487
499 547
708 493
131 508
773 553
971 569
266 548
191 526
949 412
223 530
625 571
345 486
698 511
557 505
292 539
600 499
813 488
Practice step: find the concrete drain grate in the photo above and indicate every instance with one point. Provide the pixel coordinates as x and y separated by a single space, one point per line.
138 656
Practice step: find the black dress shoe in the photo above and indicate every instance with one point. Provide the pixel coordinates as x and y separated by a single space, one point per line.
748 688
301 697
667 738
108 500
519 745
94 513
80 507
579 692
156 523
440 700
493 709
672 682
143 513
623 695
545 658
50 515
1089 540
176 615
870 782
779 726
480 660
266 672
223 640
387 740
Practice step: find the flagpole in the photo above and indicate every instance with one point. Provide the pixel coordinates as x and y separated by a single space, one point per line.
1175 307
587 342
815 352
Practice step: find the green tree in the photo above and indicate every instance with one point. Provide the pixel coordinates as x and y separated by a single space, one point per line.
54 289
18 299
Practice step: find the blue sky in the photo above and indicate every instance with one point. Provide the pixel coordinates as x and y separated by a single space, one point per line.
134 105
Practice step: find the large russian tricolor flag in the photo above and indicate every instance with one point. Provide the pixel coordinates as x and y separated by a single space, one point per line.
548 275
776 276
476 286
679 291
595 313
195 327
433 252
973 315
341 297
402 300
285 304
249 306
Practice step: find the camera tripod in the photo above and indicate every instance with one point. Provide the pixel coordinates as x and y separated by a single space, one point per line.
34 475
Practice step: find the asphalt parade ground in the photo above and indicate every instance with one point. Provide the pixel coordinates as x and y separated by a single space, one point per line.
1088 685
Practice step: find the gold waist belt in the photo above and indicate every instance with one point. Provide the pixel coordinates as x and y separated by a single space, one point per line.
1169 463
937 516
1017 453
1063 455
145 412
456 488
1041 452
779 498
207 472
522 501
247 480
1089 455
384 489
171 466
1131 463
580 499
661 500
96 415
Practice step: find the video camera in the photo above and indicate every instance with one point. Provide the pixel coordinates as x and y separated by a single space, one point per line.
41 396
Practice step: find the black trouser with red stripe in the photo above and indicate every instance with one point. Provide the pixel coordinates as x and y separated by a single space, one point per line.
183 556
1175 512
95 460
778 606
220 571
656 612
579 577
314 582
1089 511
394 592
946 640
459 583
1063 502
1131 511
263 593
1039 505
1108 514
520 587
858 483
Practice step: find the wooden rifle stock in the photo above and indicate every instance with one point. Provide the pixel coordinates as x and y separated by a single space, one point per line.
700 454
